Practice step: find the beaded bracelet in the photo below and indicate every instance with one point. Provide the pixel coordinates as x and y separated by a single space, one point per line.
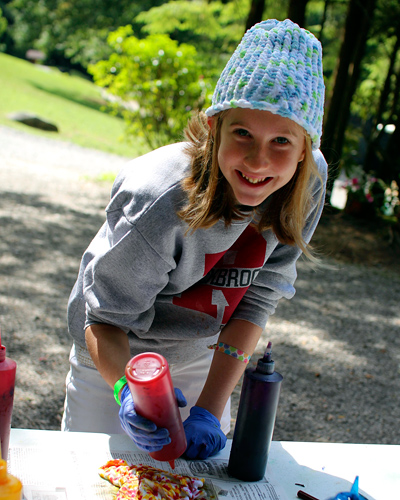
119 384
231 351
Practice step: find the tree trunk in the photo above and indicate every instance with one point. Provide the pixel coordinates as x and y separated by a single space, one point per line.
323 20
386 88
390 166
352 50
255 13
297 11
384 158
395 109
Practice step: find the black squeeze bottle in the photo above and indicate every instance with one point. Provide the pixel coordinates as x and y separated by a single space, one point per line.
255 420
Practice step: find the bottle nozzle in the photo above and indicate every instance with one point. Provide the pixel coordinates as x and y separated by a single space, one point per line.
266 364
172 464
2 350
267 353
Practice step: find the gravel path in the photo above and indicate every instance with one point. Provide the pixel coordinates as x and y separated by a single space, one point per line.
336 343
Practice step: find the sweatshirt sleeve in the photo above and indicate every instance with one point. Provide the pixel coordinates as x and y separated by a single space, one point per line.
122 280
277 277
125 271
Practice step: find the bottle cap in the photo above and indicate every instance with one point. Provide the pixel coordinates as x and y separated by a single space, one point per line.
10 486
146 366
266 364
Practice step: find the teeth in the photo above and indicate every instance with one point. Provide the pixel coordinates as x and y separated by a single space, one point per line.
253 181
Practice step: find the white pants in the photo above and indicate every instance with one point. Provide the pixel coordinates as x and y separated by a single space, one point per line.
90 405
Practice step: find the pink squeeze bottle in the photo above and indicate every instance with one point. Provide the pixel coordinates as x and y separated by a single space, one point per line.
8 368
150 383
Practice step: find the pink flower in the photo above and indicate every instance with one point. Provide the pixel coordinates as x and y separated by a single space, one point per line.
369 197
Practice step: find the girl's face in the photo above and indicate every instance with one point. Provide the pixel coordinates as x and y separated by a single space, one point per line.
259 152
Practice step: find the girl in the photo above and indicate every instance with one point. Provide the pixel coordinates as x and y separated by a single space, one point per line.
200 243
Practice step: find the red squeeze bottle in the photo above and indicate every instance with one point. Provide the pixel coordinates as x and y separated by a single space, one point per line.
8 368
150 383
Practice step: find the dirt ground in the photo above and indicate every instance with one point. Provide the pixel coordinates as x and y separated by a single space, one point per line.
353 240
336 343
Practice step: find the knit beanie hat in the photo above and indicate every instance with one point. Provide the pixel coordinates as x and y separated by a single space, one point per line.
277 67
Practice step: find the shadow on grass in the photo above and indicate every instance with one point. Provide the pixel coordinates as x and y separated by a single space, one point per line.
99 104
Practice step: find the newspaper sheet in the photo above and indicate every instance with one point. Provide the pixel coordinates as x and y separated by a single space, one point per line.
73 475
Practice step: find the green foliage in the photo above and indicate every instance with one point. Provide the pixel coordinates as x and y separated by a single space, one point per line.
3 23
330 34
386 19
159 81
214 28
198 17
380 45
3 27
71 29
202 21
30 18
366 99
276 10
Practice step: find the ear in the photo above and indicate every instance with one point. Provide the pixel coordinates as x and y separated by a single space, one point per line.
303 153
211 123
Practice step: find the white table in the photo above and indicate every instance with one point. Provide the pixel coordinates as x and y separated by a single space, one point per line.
320 469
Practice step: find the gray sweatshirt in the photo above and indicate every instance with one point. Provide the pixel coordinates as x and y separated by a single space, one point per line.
171 292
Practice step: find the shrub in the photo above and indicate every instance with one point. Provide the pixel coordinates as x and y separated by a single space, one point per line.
370 191
157 80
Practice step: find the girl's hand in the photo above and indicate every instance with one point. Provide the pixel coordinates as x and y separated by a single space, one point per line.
143 432
203 434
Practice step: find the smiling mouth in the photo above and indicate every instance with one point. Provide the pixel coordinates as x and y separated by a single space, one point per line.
253 180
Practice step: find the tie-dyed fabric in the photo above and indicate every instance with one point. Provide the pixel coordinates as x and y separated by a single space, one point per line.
142 482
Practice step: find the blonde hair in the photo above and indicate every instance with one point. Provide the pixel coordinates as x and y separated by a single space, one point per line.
210 197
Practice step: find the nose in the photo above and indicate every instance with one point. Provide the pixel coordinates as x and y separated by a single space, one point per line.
257 159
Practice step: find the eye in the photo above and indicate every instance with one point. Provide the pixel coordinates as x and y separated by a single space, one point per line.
242 132
281 140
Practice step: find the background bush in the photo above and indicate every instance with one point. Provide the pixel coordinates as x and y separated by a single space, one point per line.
158 83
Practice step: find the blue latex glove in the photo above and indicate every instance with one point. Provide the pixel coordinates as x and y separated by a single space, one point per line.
203 434
143 432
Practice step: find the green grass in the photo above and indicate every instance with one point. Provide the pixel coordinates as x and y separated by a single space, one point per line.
71 102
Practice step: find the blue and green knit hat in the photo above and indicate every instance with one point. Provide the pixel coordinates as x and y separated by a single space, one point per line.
277 67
